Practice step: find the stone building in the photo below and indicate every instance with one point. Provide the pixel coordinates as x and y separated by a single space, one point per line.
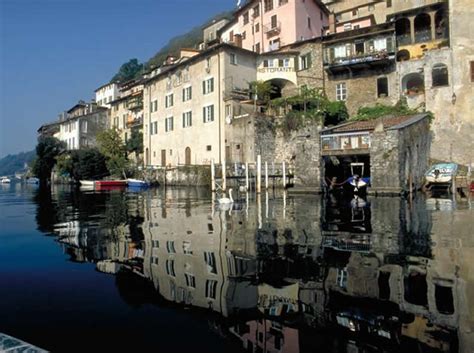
360 67
126 112
189 106
107 93
393 152
79 126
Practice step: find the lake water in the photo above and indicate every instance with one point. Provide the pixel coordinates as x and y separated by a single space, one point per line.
171 271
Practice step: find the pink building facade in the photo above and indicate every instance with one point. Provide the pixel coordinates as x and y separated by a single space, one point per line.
266 25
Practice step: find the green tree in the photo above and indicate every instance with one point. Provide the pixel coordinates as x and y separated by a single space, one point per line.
85 164
128 71
135 143
114 151
262 91
47 150
334 112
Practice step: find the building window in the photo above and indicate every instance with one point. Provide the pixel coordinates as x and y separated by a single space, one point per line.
371 8
169 124
257 28
170 268
244 35
246 18
170 247
154 128
208 113
233 58
84 126
472 71
309 22
190 280
439 75
354 12
274 21
305 61
154 260
208 86
284 62
187 93
257 48
382 87
187 119
256 11
154 106
282 2
341 91
187 248
155 244
208 148
169 100
211 286
268 5
347 27
389 3
210 260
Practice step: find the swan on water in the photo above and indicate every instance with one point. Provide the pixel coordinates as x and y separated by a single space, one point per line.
226 200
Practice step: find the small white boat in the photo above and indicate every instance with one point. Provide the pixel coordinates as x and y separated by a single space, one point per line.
87 182
32 181
441 174
5 180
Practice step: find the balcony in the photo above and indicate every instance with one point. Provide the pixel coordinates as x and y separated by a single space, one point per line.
272 29
361 60
134 122
340 144
135 103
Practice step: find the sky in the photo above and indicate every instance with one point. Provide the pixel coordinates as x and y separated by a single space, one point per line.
54 53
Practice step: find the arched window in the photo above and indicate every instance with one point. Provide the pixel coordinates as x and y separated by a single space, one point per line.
439 75
402 29
403 55
413 84
422 28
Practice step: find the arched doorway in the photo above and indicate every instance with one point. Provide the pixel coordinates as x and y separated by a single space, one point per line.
282 88
413 84
187 156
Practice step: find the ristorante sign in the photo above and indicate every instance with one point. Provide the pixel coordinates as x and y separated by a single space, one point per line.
276 69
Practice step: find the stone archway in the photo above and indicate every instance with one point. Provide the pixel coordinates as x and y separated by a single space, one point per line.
282 88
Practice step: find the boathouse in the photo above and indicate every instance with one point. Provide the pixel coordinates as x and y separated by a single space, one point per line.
392 152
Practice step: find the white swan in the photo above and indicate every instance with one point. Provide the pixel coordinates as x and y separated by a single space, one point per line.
225 200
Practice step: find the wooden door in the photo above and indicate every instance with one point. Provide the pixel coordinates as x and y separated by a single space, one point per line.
187 156
163 158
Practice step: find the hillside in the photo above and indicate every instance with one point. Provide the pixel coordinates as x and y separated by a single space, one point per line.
187 40
11 164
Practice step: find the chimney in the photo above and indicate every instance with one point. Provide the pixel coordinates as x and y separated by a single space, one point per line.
332 23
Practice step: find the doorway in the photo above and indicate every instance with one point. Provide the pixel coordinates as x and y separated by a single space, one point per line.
163 158
187 156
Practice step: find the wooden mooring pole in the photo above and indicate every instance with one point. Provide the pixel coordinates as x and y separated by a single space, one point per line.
266 175
259 174
284 174
247 176
224 182
213 176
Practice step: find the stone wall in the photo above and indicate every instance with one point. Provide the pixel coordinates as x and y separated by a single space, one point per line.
179 176
362 90
396 156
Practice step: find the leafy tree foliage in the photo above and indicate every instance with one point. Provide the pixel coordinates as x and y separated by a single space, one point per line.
135 143
114 151
47 150
128 71
86 164
262 91
380 110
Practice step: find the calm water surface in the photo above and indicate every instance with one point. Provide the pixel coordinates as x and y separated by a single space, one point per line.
170 271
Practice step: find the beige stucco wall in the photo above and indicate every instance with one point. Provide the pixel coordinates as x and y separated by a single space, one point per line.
201 134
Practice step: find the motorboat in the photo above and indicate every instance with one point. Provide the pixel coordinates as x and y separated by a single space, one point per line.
32 181
5 180
110 183
137 183
441 174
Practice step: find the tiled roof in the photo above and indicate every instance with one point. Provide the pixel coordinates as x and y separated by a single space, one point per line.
369 125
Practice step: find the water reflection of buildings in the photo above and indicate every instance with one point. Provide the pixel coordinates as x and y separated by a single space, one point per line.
385 274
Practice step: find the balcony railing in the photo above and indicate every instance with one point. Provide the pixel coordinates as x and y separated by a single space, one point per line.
132 122
404 39
360 58
345 142
272 28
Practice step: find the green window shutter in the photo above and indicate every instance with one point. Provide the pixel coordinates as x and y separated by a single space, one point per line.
203 87
204 114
